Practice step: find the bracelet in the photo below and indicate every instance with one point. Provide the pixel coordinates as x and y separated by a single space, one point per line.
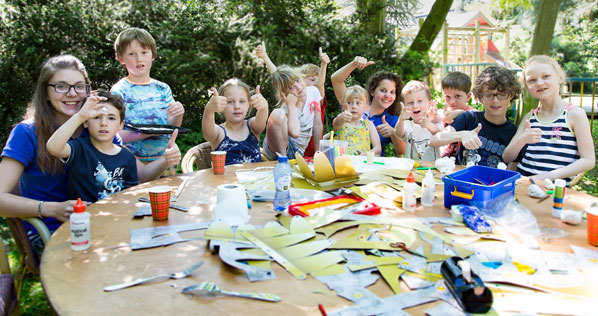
39 209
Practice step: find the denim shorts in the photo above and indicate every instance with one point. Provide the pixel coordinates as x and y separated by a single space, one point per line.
292 148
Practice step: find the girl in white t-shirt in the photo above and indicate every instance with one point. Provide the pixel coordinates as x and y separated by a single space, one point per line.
291 125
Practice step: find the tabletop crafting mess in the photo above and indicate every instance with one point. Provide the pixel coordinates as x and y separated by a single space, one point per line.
347 229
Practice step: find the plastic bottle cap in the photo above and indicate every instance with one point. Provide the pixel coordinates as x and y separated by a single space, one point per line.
410 178
283 159
79 206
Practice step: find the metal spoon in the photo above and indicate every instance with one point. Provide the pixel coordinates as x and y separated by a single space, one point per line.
210 288
176 275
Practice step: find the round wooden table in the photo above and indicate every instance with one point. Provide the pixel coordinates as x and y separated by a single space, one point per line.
74 281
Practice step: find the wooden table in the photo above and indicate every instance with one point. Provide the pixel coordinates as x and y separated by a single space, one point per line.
73 281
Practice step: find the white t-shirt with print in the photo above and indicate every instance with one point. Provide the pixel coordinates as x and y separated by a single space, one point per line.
306 116
417 139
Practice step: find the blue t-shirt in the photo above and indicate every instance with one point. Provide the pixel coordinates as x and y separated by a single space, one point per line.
244 151
94 175
35 184
495 138
377 120
145 104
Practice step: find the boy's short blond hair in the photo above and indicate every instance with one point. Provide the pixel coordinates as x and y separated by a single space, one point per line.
414 86
355 92
124 39
283 78
543 59
309 70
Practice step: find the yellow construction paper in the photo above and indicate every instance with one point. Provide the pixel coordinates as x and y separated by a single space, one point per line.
287 240
343 167
300 225
319 262
425 276
220 230
303 249
304 168
361 244
378 261
333 228
391 275
322 168
331 270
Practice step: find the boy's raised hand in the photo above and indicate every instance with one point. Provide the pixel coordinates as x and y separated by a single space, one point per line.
172 154
258 101
470 139
324 59
361 62
385 129
175 109
92 108
217 103
433 112
405 113
531 135
260 50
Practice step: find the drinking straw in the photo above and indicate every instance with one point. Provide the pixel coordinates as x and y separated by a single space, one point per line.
331 136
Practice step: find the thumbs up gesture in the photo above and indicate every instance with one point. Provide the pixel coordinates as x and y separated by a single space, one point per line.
531 135
385 129
258 101
217 103
470 139
324 59
172 154
361 62
345 117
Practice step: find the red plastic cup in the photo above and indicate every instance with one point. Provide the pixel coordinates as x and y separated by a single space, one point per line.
160 202
592 221
218 161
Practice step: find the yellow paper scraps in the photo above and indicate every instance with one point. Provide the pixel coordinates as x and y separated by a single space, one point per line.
344 168
319 262
331 270
303 249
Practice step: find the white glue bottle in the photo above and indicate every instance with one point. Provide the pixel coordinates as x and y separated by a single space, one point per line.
80 234
410 193
428 189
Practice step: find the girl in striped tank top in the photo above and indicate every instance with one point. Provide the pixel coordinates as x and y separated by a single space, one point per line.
556 135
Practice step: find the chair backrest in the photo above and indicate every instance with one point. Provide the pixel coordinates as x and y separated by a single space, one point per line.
8 294
198 156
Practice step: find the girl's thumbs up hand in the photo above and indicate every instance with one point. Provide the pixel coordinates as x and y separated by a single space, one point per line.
258 101
531 135
217 103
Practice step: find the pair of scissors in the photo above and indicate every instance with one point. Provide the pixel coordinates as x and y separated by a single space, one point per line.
401 245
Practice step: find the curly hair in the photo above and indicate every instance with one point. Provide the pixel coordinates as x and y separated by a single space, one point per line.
497 78
395 109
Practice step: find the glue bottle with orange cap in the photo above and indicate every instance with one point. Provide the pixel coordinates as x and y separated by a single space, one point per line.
410 193
80 234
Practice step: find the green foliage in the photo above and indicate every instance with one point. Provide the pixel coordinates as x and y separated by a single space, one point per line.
200 45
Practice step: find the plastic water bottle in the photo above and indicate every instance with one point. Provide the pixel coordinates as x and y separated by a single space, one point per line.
80 234
282 183
428 188
410 193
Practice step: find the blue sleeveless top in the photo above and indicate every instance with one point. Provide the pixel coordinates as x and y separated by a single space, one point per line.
244 151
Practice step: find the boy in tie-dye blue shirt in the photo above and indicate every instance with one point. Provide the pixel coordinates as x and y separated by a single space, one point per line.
145 104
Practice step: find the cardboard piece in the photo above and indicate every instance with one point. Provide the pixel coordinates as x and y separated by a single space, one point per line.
324 177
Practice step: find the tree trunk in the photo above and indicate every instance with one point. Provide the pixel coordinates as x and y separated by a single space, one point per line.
372 15
431 27
541 41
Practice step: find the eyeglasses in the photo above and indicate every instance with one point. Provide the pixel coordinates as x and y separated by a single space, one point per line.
80 88
491 96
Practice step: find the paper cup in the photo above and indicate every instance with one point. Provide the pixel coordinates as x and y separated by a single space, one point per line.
333 149
592 220
160 202
218 161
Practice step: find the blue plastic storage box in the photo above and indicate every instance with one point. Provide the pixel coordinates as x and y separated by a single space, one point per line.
477 183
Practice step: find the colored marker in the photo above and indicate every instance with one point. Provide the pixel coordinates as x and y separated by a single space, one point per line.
374 162
425 168
322 310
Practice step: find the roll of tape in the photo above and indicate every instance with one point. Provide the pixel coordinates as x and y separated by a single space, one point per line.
232 204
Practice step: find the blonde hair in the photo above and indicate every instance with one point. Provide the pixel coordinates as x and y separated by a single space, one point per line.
355 92
283 78
543 59
235 82
414 86
124 39
309 70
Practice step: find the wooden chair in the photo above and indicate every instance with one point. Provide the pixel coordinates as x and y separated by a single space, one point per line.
9 302
198 157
